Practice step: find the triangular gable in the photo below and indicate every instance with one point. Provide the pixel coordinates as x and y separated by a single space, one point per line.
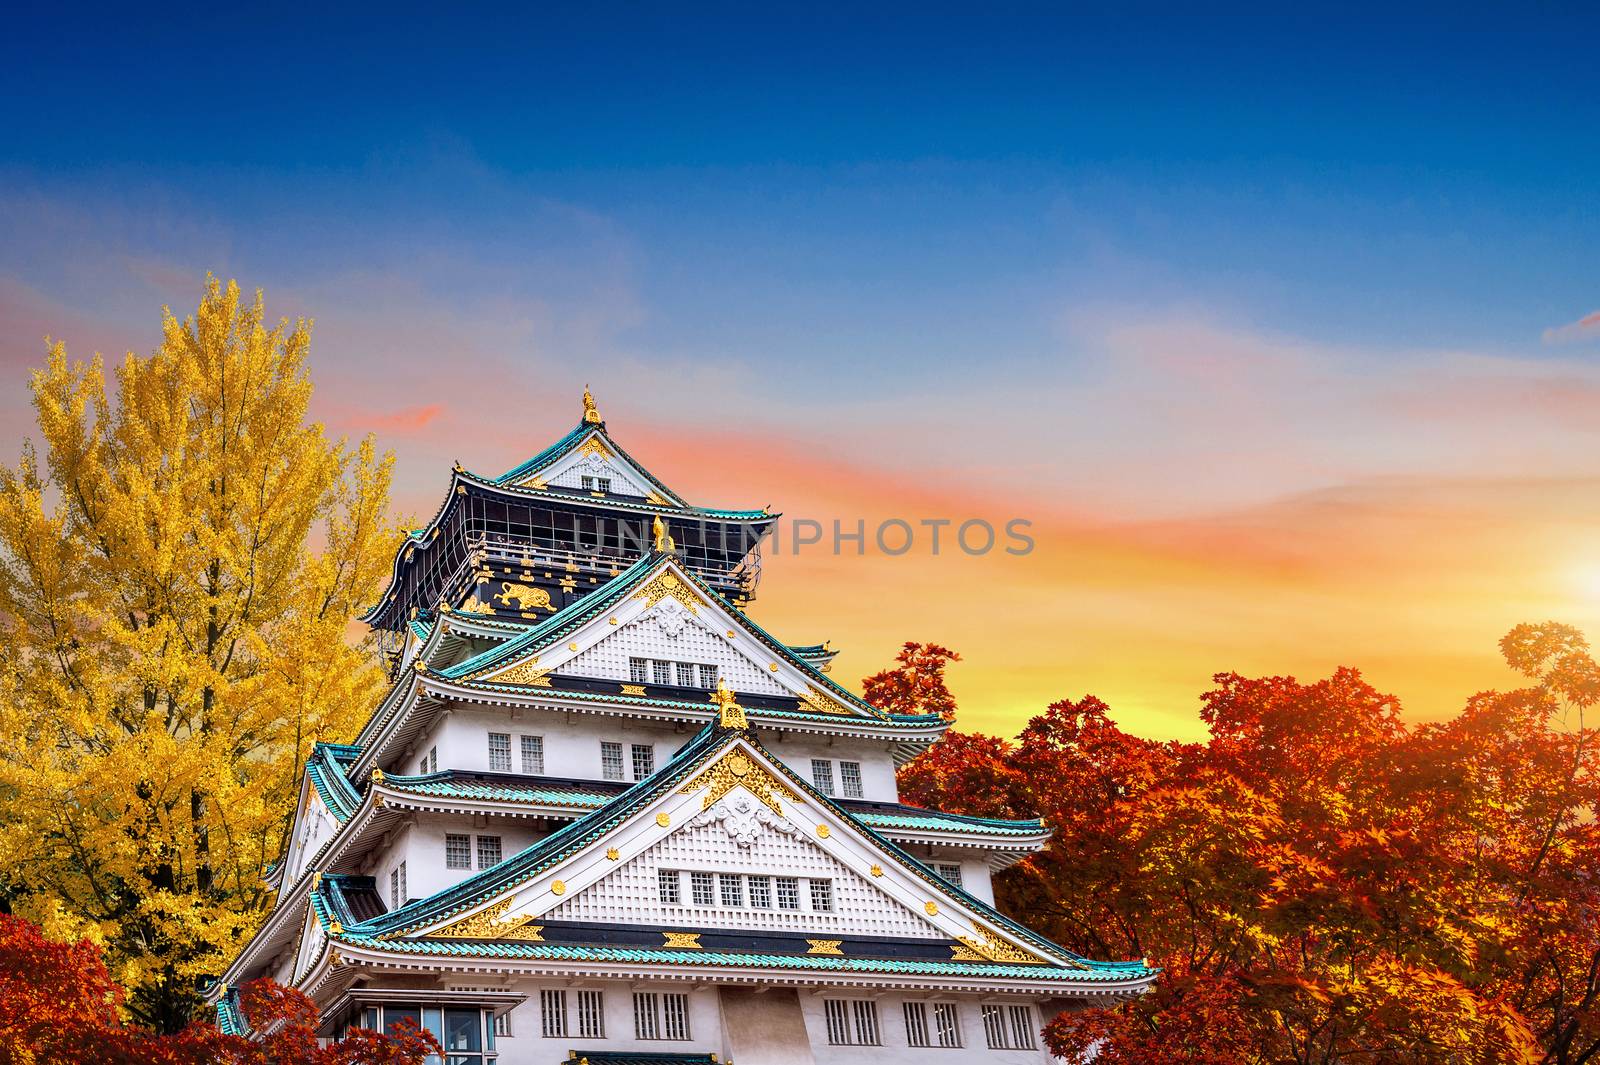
314 825
712 776
661 611
589 451
313 938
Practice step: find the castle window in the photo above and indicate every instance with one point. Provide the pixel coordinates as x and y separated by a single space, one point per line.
433 759
660 1016
591 1015
611 760
553 1014
822 896
852 1022
732 885
397 886
603 484
670 887
533 754
639 670
662 671
850 779
788 893
761 892
1008 1027
586 482
686 674
499 752
708 676
644 760
946 1030
457 851
502 1025
488 851
701 889
949 871
822 775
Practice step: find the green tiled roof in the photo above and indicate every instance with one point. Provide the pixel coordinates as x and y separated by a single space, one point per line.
559 624
328 777
634 1057
453 785
386 931
230 1019
1097 972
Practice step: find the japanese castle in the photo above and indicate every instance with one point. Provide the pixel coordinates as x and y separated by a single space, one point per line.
602 816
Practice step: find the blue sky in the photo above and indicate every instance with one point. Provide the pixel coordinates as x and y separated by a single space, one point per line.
1242 272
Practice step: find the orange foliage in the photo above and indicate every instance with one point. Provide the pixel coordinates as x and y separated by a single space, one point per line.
59 1006
1318 881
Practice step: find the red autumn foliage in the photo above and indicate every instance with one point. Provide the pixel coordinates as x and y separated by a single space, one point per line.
1319 881
59 1006
916 683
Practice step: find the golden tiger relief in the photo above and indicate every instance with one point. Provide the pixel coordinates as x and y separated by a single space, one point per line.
529 598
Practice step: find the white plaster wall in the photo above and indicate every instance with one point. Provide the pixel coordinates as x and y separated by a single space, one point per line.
527 1046
421 847
571 741
896 1048
877 764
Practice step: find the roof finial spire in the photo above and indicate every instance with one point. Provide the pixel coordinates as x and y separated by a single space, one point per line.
664 541
729 713
590 413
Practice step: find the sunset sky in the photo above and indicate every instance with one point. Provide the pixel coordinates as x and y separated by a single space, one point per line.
1284 335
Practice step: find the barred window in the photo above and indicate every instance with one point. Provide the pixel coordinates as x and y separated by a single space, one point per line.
708 676
761 892
660 1016
916 1025
822 896
644 760
422 770
701 889
639 670
457 851
946 1024
646 1015
397 886
822 775
488 851
499 752
675 1016
788 893
851 1022
611 760
502 1025
662 671
586 482
850 779
533 754
553 1014
949 871
686 674
732 885
1008 1027
603 484
591 1015
670 887
433 759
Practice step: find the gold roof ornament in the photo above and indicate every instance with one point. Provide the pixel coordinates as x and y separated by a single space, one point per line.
664 542
590 413
729 713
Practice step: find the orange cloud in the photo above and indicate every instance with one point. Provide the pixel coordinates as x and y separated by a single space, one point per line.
1584 328
409 420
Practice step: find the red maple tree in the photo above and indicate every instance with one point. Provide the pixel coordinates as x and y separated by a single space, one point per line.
1319 881
59 1006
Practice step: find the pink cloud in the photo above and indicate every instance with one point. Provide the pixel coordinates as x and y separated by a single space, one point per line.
1585 328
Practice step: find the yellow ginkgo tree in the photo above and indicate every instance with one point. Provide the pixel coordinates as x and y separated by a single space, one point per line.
179 566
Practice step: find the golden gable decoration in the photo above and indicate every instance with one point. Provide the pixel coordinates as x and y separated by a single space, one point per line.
991 947
525 673
667 585
491 924
735 769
